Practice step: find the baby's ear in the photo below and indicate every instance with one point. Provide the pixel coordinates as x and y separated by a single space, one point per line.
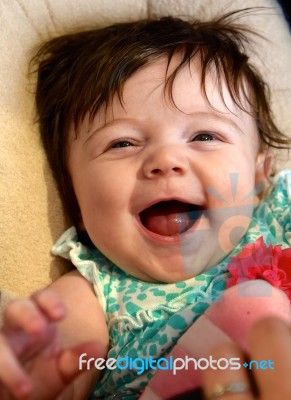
264 165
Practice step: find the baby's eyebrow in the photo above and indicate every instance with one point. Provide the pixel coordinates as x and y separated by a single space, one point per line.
220 117
95 132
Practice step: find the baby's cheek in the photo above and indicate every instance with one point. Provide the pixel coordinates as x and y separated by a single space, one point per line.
229 224
231 231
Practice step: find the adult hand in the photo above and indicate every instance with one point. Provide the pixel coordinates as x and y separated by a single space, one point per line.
270 340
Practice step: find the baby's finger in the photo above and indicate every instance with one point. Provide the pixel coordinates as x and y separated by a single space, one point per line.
32 315
12 376
227 384
24 314
50 304
270 342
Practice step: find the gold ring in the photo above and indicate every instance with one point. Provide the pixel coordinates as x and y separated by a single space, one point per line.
234 387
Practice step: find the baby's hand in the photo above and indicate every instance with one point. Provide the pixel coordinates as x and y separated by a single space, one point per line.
33 362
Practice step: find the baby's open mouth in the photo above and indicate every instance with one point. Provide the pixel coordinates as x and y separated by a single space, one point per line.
170 218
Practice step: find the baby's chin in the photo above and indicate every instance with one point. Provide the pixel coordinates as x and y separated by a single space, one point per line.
157 276
161 275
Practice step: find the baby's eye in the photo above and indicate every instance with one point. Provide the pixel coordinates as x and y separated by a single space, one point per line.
121 143
203 137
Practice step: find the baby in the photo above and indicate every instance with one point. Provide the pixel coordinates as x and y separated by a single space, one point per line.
158 133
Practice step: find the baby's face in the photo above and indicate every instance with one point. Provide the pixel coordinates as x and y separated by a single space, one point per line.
166 192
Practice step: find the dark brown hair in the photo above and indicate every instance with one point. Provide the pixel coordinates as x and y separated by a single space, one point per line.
77 73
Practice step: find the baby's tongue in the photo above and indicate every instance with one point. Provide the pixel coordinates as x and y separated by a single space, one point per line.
167 218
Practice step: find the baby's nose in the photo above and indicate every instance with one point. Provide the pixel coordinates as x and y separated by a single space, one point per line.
167 159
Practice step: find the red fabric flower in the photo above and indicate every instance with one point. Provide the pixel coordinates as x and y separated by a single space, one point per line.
258 261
